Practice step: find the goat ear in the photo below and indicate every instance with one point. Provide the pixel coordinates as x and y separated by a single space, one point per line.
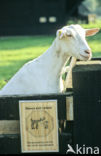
91 32
60 34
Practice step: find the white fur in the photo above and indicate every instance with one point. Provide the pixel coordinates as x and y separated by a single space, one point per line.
42 75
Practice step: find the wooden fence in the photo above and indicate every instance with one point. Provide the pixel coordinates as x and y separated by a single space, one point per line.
78 114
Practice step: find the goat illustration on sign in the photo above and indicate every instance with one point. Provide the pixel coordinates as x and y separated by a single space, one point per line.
35 123
38 122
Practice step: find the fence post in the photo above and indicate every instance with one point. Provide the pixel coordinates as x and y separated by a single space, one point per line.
87 106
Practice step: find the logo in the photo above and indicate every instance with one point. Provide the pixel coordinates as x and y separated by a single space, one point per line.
82 150
70 150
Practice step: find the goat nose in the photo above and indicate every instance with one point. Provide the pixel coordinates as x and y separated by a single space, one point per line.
88 51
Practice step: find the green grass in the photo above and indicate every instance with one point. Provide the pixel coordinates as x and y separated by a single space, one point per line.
16 51
94 41
92 25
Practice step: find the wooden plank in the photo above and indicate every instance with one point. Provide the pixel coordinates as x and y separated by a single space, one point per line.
9 105
88 62
39 126
69 108
10 144
9 127
89 73
87 105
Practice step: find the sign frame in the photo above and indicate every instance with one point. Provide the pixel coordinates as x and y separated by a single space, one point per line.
56 121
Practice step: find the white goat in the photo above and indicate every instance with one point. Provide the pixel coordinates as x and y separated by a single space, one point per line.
42 75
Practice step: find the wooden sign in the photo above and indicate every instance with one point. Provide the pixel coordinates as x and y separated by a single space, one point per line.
39 126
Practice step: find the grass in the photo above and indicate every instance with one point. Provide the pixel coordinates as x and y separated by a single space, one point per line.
92 25
16 51
97 24
94 41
